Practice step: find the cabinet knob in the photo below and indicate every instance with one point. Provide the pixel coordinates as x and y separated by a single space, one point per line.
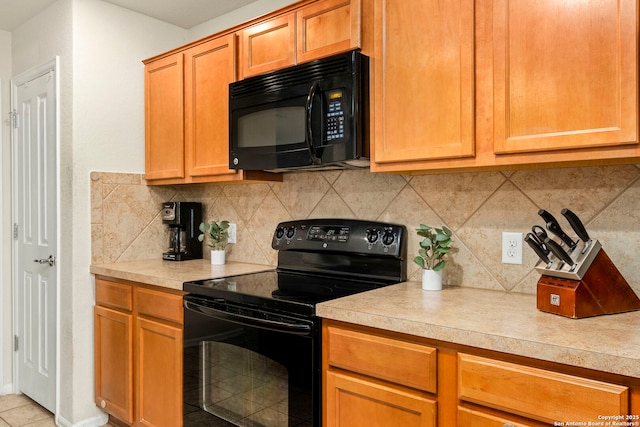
508 425
103 404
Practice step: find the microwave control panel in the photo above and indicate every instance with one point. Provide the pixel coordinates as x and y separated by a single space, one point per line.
335 114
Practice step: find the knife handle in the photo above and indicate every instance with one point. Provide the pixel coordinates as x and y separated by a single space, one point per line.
555 228
537 248
557 250
547 216
576 224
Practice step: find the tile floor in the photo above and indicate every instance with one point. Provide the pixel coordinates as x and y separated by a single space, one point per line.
17 410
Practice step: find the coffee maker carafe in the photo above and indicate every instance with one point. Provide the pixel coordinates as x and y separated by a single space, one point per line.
183 219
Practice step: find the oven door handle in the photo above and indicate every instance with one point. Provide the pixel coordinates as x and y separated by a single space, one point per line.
290 328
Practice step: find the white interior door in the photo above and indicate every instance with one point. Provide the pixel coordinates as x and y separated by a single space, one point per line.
35 235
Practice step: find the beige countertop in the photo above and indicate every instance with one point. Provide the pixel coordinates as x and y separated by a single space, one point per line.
499 321
172 274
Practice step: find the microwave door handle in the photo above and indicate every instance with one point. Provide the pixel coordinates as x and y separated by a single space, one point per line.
310 146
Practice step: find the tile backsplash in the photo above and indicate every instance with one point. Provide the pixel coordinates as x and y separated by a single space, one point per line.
478 207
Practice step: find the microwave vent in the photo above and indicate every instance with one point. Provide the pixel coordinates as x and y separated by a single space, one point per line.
293 76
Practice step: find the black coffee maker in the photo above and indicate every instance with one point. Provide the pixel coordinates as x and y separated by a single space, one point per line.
183 219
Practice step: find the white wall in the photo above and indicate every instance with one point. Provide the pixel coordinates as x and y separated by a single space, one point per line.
101 47
109 44
5 214
238 16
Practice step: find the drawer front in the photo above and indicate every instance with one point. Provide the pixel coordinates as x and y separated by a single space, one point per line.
112 294
401 362
536 393
159 304
352 401
468 417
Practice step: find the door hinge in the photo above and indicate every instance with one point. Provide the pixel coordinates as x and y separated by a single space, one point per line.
15 343
15 231
15 119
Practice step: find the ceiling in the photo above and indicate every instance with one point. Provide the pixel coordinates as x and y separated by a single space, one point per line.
183 13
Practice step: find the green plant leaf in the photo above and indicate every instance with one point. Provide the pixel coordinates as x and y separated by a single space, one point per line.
418 260
439 266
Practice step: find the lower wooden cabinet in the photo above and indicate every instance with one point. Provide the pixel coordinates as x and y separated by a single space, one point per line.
138 353
113 362
354 401
382 378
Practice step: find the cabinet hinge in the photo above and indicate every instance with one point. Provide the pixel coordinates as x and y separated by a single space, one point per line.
15 343
15 231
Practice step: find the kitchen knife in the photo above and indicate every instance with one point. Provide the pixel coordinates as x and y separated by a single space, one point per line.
547 216
557 250
537 248
576 224
555 228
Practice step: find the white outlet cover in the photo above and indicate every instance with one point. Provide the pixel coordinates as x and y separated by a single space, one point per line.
232 233
511 247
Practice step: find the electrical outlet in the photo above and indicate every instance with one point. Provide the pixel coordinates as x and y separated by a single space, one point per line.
232 233
511 248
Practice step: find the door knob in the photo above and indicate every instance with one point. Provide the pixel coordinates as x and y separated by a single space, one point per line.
51 261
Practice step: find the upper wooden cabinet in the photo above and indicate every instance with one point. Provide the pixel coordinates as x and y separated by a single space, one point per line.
485 84
209 68
187 115
268 46
424 80
564 74
164 111
320 29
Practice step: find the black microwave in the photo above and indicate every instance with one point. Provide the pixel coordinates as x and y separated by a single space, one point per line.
308 116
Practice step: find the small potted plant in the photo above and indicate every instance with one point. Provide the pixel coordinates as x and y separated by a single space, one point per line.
218 233
435 245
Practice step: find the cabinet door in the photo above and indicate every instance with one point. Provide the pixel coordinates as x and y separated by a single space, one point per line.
158 374
268 46
354 402
565 74
164 130
423 80
113 358
209 68
327 27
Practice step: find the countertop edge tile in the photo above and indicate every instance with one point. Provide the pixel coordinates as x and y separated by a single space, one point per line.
497 321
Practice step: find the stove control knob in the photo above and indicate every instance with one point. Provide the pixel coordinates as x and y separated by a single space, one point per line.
279 232
372 235
388 238
291 231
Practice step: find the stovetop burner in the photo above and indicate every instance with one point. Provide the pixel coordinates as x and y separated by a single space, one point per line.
318 260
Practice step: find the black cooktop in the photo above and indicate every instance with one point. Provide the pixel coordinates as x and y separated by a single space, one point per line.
290 292
318 260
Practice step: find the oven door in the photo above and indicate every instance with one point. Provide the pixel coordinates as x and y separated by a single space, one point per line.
249 367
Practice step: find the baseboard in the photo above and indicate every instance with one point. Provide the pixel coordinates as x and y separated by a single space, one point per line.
6 389
97 421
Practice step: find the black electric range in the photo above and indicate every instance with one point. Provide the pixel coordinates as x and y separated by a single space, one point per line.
271 316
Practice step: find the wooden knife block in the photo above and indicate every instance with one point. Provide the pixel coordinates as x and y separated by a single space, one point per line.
602 290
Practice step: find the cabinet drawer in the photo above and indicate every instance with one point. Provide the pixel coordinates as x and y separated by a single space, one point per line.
159 304
112 294
536 393
468 417
409 364
352 401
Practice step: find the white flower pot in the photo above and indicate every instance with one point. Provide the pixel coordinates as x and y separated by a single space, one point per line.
431 280
218 257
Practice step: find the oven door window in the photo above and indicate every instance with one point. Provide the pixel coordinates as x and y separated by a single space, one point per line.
246 375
